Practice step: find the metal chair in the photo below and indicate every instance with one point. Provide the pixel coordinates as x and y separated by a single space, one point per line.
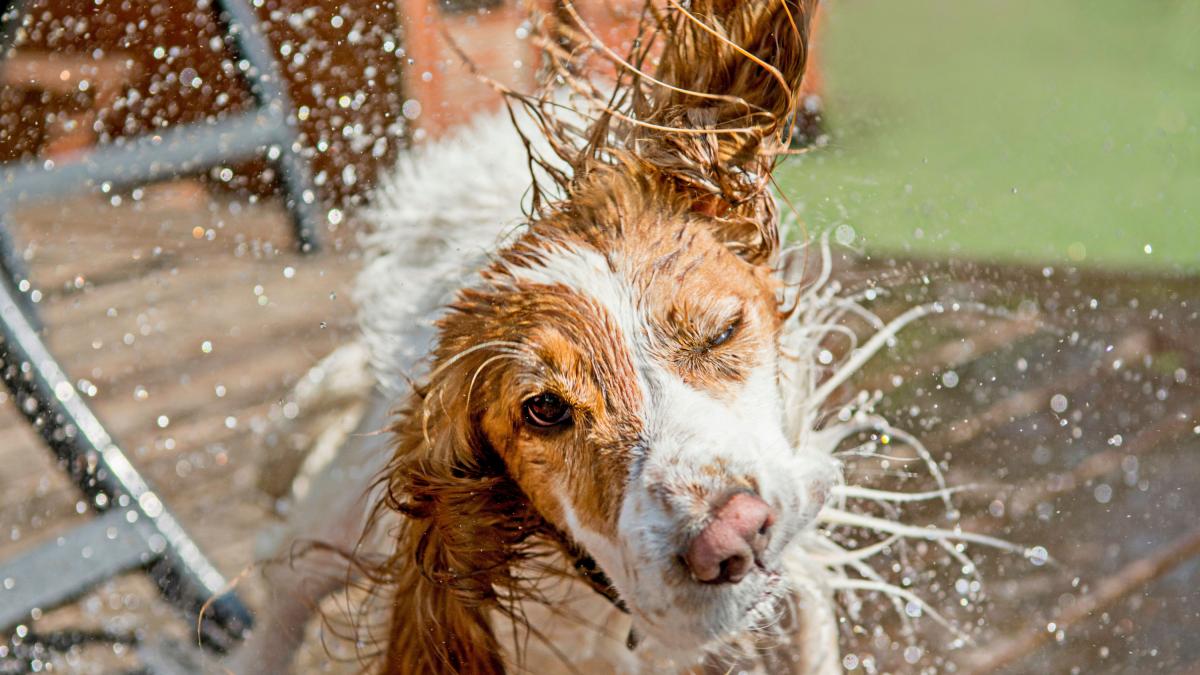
267 130
133 530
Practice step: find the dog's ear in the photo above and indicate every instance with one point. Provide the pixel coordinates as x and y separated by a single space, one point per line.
729 79
464 524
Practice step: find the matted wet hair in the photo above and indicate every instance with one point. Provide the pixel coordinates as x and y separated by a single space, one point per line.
703 103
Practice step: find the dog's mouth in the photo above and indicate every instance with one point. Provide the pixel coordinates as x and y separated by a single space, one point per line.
759 610
764 607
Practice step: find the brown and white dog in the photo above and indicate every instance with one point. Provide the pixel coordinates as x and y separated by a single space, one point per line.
614 456
608 386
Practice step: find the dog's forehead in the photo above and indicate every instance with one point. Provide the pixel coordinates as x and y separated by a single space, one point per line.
587 317
647 268
629 287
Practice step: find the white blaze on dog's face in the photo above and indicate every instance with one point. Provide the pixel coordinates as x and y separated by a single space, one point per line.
634 394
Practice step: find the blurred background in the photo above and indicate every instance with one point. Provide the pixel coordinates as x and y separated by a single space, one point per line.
1058 132
1041 157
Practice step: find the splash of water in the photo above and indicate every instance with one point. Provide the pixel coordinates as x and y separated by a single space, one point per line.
835 553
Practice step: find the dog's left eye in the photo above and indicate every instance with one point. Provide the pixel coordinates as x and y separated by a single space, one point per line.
546 410
724 335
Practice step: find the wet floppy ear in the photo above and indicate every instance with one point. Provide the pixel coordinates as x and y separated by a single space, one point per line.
729 77
465 523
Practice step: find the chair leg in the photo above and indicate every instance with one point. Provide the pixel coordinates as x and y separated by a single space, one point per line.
266 85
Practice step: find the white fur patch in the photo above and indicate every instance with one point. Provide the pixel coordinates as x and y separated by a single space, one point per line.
435 220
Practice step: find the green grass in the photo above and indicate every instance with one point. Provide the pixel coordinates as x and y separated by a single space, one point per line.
1044 131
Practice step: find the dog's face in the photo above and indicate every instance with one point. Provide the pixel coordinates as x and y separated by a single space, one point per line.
631 391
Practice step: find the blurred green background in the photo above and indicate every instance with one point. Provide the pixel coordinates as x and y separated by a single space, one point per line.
1037 131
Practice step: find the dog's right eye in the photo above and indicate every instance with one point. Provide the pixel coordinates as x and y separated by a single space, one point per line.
546 410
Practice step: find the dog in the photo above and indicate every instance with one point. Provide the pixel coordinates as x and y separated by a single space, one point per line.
613 458
604 398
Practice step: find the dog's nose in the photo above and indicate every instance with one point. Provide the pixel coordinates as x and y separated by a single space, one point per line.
726 548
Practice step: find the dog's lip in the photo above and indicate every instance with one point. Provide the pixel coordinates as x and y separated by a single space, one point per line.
773 589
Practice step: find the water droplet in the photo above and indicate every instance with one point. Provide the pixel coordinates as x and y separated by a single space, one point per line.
1059 403
950 379
163 421
1038 555
844 234
912 654
157 543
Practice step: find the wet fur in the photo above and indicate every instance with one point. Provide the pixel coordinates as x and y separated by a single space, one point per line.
468 527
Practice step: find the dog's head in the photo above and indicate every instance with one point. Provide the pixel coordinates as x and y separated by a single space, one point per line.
612 380
632 394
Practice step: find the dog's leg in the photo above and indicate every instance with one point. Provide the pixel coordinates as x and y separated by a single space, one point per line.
332 514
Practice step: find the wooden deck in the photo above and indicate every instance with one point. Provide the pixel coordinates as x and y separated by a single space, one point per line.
1077 413
186 319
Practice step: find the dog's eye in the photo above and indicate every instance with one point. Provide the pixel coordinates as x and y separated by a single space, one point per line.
546 410
724 336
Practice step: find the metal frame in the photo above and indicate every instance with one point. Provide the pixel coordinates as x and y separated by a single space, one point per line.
135 530
268 130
